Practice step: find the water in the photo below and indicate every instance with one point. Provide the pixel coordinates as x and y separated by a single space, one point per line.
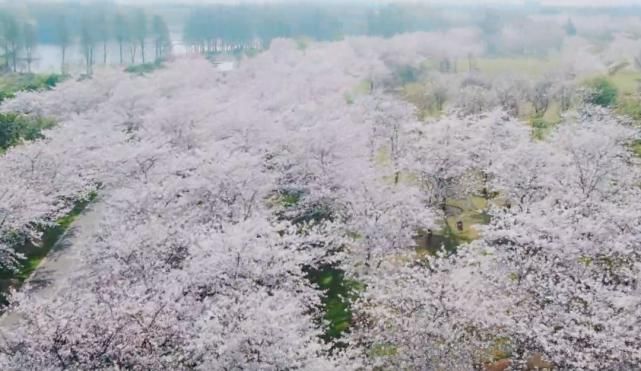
48 57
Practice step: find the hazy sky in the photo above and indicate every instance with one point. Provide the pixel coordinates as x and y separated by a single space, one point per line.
546 2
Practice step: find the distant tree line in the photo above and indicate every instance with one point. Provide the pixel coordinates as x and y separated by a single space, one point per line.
223 28
228 28
92 28
17 40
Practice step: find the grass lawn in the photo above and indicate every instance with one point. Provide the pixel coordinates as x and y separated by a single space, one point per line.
626 81
470 212
14 82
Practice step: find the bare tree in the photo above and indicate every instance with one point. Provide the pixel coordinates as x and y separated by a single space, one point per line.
11 38
30 42
139 30
540 97
64 39
121 32
162 41
88 45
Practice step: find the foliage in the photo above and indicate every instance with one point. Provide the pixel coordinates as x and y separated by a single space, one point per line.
603 92
10 84
15 128
145 68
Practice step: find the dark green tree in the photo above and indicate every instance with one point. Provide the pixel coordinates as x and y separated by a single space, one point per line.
569 27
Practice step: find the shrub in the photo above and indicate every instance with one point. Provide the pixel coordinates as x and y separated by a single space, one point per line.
602 92
15 128
10 84
141 69
540 127
8 131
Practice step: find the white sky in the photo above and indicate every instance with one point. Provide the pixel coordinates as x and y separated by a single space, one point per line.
544 2
588 3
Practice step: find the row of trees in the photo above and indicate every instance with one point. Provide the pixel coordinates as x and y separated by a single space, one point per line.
223 28
18 39
131 29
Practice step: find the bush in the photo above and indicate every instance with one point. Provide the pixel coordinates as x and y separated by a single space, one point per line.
15 128
540 127
8 131
602 92
13 83
141 69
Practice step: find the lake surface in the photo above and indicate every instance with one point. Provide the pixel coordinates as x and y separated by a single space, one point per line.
48 57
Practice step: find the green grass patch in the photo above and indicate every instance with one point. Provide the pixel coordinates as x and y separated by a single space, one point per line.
145 68
626 81
470 212
630 105
420 94
636 148
383 350
339 292
12 83
289 198
541 126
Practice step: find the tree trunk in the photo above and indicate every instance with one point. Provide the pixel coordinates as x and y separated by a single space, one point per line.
62 65
29 61
104 52
5 46
120 50
14 57
133 54
142 50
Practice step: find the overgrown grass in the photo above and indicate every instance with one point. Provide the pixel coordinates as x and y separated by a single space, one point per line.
339 292
471 212
630 106
418 94
541 126
12 83
636 148
626 81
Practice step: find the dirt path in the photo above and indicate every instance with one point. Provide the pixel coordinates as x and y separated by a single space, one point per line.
55 270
